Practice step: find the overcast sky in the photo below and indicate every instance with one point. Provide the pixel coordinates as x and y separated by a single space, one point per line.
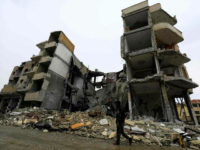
94 26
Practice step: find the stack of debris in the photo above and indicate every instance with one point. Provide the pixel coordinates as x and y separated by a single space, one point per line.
98 125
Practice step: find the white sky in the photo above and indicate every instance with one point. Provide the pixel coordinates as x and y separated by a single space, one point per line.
94 26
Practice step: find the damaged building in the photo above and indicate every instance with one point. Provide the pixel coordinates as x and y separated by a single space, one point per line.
54 79
155 71
155 65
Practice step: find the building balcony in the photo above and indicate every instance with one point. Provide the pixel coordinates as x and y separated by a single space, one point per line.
29 73
36 58
171 58
134 8
151 84
40 76
45 60
167 34
50 48
159 15
9 89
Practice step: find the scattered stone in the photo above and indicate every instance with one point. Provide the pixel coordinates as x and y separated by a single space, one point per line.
129 122
28 121
178 130
146 141
151 130
105 132
139 122
196 142
45 131
136 138
112 135
50 117
175 136
15 113
88 123
103 122
162 124
165 129
19 122
144 131
138 131
127 127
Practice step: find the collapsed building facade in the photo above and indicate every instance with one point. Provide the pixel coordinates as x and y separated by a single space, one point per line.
157 77
155 65
54 79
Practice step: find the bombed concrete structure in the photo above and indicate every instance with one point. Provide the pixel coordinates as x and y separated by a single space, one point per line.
54 79
155 71
155 65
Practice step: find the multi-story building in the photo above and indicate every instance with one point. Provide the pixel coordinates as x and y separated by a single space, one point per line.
155 65
50 78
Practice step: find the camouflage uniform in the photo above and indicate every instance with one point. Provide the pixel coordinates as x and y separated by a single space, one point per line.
121 106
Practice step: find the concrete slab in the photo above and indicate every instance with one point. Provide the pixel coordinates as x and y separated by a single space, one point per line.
171 58
59 67
180 82
49 45
146 85
143 61
45 60
9 89
134 8
36 58
158 15
63 53
40 76
167 34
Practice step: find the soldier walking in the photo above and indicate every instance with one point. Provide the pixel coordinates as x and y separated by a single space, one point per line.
121 107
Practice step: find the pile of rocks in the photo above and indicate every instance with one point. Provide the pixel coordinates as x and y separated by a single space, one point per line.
98 125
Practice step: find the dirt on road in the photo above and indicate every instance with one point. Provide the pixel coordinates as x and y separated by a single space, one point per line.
15 138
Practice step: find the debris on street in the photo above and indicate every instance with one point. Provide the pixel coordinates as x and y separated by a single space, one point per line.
145 130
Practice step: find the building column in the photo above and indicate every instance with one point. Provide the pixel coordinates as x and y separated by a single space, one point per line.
129 77
174 107
190 108
167 109
19 102
157 64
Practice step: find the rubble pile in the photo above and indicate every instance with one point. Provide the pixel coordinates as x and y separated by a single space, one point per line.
98 125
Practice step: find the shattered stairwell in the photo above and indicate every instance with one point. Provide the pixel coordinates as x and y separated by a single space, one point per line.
55 91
